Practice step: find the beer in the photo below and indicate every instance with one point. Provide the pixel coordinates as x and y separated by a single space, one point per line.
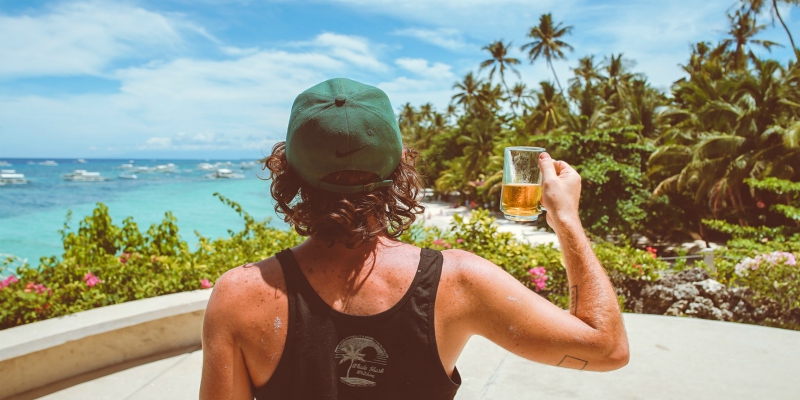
521 200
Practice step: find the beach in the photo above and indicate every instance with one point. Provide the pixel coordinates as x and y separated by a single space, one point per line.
440 214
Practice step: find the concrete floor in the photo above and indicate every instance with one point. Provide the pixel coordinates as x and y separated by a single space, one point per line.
671 358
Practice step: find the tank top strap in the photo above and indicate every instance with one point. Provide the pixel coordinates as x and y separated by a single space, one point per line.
295 281
430 271
430 268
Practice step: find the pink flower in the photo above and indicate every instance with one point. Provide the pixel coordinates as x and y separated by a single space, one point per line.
538 277
652 251
438 242
760 204
91 280
205 284
124 258
459 240
36 287
8 281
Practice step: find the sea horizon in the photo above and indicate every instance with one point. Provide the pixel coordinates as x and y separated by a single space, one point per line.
32 214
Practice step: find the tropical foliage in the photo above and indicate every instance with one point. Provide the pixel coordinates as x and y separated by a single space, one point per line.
104 263
657 163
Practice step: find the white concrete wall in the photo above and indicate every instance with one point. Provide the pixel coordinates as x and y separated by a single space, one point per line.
40 358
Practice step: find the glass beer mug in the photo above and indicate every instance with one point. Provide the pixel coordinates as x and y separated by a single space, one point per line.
521 196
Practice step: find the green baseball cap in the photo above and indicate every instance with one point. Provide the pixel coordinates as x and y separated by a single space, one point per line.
343 125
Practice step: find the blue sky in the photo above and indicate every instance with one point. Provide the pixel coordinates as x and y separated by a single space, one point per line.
216 78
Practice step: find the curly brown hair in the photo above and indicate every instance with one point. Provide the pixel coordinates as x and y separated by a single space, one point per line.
352 219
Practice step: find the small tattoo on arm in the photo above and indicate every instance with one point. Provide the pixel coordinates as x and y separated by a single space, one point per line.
573 300
572 362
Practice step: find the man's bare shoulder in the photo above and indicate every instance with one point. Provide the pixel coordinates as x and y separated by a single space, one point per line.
465 278
244 289
465 267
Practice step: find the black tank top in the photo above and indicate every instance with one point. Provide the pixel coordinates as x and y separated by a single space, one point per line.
337 356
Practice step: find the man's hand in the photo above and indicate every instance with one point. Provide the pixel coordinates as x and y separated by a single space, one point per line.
561 186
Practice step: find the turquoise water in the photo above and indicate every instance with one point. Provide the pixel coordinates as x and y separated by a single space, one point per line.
31 215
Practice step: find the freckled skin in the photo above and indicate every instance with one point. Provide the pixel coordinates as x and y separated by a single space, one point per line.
475 297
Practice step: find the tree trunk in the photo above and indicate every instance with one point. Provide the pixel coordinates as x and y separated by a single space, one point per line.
791 39
560 89
510 102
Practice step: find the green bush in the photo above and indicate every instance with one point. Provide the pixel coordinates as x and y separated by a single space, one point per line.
764 258
628 268
106 264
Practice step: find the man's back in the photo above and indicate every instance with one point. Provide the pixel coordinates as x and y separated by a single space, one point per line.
253 301
353 208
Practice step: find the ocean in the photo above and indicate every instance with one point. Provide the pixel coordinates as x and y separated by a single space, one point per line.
32 214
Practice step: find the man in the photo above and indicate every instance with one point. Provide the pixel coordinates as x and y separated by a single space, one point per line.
352 313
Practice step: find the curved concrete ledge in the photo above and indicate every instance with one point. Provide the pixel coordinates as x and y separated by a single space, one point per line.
43 357
671 358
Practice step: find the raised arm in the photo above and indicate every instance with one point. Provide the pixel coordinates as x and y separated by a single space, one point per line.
591 336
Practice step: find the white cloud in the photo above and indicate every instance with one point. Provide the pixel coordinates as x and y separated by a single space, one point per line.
84 38
352 49
419 66
477 17
450 39
241 103
430 83
656 34
238 51
158 142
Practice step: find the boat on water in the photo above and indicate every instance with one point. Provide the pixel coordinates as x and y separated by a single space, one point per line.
215 166
223 173
11 177
4 164
245 165
81 175
124 166
168 168
128 175
81 161
49 163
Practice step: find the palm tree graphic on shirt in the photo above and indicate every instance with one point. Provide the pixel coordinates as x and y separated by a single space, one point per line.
366 356
352 354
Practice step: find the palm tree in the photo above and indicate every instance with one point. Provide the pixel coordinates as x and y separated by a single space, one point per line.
743 29
487 99
499 62
587 72
451 111
742 127
547 114
408 121
468 90
756 6
408 115
584 91
479 145
547 42
426 111
519 94
616 80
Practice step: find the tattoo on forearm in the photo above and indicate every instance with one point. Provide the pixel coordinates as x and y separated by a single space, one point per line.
573 300
572 362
